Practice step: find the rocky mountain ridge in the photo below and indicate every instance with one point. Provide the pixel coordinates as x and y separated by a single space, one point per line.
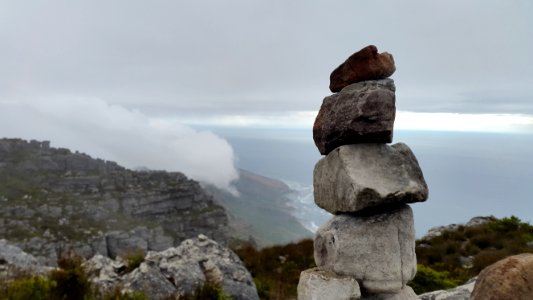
54 200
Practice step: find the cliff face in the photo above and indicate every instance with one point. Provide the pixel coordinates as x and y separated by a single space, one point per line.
53 200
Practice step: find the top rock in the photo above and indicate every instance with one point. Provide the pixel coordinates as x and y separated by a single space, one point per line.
367 64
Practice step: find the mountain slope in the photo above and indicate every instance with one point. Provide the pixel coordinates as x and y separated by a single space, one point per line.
263 203
53 200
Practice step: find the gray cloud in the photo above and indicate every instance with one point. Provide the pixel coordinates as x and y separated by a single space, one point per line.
177 57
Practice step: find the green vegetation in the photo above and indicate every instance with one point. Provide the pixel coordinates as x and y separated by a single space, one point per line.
207 292
34 287
134 260
69 281
427 280
445 261
481 245
276 270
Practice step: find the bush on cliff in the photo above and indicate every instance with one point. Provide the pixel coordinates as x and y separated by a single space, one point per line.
276 270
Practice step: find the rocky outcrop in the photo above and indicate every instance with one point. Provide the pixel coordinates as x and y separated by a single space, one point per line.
366 184
461 292
363 112
366 64
54 200
355 177
509 278
324 285
177 271
439 230
14 261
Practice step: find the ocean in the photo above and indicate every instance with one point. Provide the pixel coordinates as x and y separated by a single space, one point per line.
468 174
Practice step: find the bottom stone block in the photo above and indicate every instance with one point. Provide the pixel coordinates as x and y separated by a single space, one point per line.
378 250
322 285
406 293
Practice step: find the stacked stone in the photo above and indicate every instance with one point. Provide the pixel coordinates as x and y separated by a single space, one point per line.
367 250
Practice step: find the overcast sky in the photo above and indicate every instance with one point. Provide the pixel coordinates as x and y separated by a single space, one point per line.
240 62
244 57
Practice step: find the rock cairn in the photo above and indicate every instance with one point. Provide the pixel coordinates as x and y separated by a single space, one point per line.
367 250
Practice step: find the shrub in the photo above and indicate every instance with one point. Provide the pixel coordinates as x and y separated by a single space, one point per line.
427 280
72 280
116 294
134 260
276 270
208 291
505 225
35 288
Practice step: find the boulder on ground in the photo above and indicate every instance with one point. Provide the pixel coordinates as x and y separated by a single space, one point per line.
509 278
366 64
324 285
363 112
378 250
356 177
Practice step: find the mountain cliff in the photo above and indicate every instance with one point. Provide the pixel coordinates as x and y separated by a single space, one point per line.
53 200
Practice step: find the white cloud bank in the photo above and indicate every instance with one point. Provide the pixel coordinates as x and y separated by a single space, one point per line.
405 120
128 137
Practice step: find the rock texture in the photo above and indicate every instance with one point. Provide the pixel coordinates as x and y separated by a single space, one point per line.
54 200
366 64
323 285
406 293
14 260
355 177
378 250
177 271
363 112
509 278
461 292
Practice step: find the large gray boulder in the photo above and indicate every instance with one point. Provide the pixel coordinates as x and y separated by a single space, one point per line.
324 285
406 293
355 177
378 250
149 279
14 261
362 112
11 254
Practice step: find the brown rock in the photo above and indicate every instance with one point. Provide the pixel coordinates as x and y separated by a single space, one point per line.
509 278
363 112
367 64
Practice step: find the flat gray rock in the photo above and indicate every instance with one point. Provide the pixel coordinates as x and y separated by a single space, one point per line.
461 292
355 177
362 112
406 293
323 285
377 250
